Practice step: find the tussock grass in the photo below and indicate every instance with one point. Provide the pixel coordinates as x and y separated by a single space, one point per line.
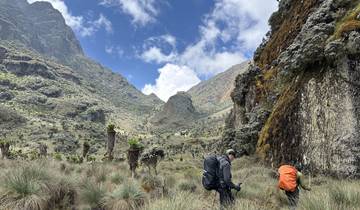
127 197
92 194
52 184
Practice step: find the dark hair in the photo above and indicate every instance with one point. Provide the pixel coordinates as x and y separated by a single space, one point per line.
299 166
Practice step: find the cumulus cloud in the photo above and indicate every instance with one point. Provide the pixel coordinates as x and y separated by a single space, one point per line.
142 12
78 23
173 78
233 29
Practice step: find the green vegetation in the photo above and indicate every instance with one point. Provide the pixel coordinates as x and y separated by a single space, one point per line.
49 184
111 128
349 22
135 144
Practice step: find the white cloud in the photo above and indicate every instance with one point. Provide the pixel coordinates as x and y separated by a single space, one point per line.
78 23
172 79
114 50
231 30
154 54
141 11
94 26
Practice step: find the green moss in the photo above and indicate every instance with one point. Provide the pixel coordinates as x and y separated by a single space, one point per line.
279 111
348 23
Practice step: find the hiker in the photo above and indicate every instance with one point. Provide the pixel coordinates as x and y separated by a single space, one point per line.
290 178
217 176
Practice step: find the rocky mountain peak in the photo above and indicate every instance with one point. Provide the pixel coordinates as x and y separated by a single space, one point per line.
44 32
177 112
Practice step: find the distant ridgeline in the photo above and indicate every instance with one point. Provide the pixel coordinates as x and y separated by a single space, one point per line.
300 100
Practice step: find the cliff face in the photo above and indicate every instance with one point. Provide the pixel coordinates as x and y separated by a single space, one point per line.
38 26
304 89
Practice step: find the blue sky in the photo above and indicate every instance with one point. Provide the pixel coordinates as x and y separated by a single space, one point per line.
165 46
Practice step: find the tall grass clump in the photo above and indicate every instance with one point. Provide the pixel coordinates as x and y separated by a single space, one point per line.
26 188
117 178
126 197
92 194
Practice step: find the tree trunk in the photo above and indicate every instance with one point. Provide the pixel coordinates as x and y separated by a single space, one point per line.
133 157
110 144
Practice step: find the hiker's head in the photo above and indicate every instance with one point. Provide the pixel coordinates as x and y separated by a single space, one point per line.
299 166
231 154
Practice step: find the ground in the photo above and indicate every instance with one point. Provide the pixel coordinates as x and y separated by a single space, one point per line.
52 184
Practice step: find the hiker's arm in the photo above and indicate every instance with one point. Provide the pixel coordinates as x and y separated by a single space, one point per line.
227 177
301 181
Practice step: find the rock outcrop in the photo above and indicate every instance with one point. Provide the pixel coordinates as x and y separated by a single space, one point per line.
178 112
308 82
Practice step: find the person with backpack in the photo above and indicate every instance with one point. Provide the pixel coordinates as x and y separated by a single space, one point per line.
290 179
217 176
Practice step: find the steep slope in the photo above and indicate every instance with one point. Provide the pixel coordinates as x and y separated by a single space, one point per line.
300 100
213 95
51 91
40 27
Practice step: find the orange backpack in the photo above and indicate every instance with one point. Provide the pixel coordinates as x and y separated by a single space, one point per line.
288 178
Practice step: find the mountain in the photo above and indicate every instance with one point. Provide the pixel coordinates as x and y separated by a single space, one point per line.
177 113
50 91
300 100
213 95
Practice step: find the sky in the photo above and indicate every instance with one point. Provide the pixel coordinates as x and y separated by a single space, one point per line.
166 46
